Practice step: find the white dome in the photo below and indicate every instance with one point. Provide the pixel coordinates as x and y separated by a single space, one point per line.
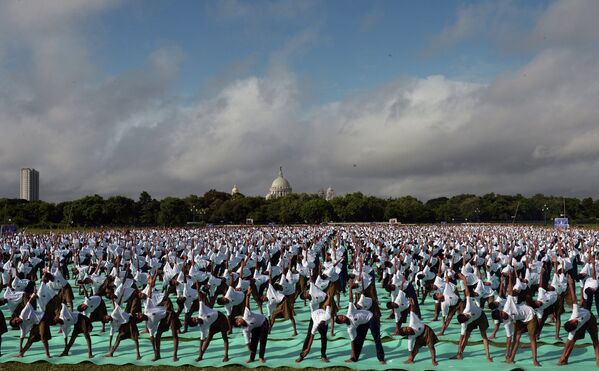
280 183
280 186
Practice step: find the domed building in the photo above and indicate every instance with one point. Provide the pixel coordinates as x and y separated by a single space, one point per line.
330 194
280 187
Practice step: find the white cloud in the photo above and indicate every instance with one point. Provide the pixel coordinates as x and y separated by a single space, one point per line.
532 129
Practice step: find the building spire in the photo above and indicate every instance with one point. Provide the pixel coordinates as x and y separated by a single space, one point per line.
281 171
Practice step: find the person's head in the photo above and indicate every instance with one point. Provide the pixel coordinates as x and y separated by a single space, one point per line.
493 305
341 319
392 305
141 295
463 317
439 297
322 325
195 321
15 322
571 325
47 277
139 317
3 301
306 296
406 331
222 300
239 322
106 319
181 300
536 304
58 320
390 288
589 291
499 315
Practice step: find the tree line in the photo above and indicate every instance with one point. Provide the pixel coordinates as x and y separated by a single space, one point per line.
222 208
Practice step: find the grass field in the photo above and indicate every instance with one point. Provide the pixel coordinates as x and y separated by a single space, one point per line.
16 366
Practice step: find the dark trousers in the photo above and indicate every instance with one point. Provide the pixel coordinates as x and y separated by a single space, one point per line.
322 330
375 330
588 303
259 334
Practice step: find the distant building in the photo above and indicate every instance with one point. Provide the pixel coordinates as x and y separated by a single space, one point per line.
330 194
235 190
321 193
30 184
280 187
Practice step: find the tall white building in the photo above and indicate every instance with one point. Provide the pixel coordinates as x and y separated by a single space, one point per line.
280 187
30 184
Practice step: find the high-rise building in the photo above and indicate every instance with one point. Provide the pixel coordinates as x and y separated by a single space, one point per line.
30 184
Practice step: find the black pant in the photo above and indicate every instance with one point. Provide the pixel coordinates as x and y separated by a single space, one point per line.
259 334
322 330
361 331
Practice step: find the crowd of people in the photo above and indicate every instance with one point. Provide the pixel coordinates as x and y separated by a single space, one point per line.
242 281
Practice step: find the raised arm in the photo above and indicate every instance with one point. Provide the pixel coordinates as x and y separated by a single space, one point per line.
465 284
572 288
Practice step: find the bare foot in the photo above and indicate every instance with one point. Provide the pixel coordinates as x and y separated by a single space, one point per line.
409 361
249 361
561 363
489 359
90 356
62 354
435 363
536 363
20 355
226 359
199 358
175 359
108 355
138 357
349 360
299 359
382 362
324 359
262 360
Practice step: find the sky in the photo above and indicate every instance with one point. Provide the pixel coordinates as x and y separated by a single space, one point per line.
389 98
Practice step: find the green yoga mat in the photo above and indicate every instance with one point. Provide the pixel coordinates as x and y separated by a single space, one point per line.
283 349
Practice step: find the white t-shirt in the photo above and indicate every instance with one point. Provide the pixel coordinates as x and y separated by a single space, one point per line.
474 310
418 327
356 317
580 314
30 318
208 316
319 315
253 321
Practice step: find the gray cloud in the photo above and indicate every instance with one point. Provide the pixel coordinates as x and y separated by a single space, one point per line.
532 129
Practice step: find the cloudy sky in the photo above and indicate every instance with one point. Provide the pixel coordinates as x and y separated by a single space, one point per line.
390 98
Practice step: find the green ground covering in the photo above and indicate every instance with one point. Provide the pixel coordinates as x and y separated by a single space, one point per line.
282 349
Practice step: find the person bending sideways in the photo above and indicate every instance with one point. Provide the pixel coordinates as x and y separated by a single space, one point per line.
418 335
581 321
210 322
319 320
255 330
